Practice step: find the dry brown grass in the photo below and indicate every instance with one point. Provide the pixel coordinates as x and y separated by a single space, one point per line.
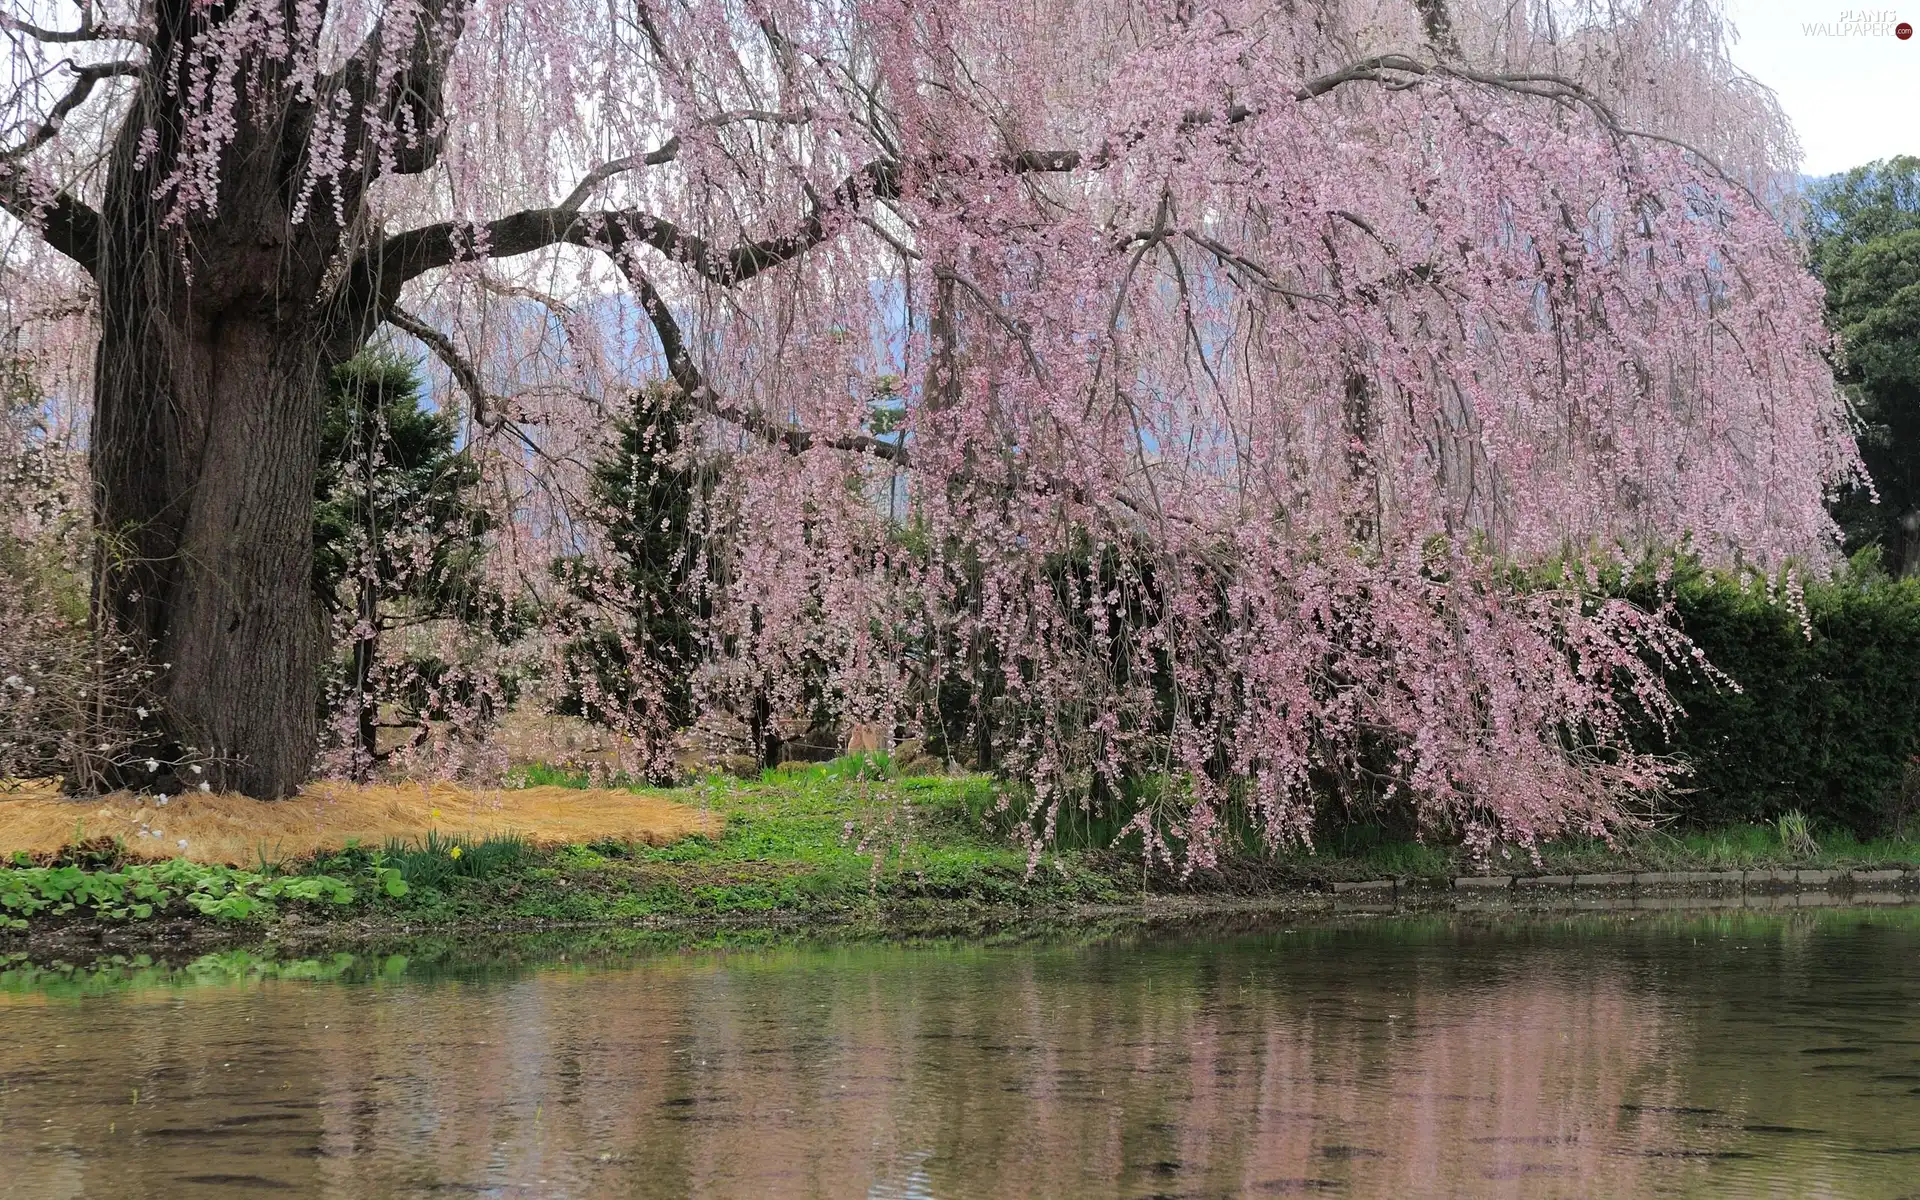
239 830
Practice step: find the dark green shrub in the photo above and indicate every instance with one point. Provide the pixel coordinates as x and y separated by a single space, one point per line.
1827 717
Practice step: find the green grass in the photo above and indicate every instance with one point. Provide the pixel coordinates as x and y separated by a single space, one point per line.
827 839
852 838
435 861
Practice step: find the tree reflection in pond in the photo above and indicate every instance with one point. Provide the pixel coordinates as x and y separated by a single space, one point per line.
1684 1054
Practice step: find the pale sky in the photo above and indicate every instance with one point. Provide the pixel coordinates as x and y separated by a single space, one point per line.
1852 91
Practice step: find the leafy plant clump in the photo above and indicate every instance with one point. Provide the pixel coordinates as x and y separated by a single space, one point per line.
1796 834
143 891
433 862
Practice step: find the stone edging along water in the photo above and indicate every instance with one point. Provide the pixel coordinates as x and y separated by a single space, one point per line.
1771 887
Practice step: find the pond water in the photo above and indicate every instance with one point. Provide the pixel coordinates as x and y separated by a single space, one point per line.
1703 1054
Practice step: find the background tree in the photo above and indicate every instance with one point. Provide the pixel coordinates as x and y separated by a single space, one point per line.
71 704
1865 235
633 619
396 531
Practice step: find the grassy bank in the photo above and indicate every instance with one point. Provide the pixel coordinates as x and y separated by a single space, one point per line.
822 841
839 842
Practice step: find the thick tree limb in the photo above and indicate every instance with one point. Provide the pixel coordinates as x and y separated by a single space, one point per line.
410 254
415 98
66 223
407 255
88 31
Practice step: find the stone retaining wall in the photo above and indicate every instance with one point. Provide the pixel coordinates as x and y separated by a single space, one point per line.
1880 886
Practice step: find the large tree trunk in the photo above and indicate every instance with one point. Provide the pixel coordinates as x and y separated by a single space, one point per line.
206 440
216 340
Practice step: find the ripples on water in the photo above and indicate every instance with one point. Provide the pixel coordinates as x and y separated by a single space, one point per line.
1730 1054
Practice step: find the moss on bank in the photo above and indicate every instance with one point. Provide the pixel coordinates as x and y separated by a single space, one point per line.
843 842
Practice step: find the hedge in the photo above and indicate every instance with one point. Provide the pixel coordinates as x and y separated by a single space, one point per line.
1827 716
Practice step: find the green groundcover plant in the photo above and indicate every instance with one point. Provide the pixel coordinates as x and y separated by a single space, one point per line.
145 890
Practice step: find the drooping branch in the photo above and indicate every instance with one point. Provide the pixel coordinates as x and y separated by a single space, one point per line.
1400 70
692 382
1243 267
407 255
680 366
668 151
464 372
412 99
1015 329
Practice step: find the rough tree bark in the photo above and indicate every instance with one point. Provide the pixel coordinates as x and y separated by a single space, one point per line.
205 441
205 444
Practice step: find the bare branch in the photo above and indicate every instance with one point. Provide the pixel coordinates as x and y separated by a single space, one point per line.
1261 276
1036 162
901 248
667 152
1162 211
552 304
466 375
464 372
1004 319
83 83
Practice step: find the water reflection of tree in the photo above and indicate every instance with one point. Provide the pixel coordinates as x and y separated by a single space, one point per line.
1456 1064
